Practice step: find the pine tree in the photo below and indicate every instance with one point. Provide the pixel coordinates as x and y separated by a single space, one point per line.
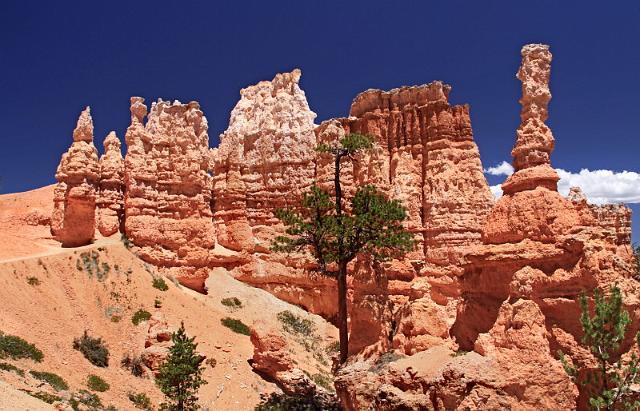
335 236
610 384
180 376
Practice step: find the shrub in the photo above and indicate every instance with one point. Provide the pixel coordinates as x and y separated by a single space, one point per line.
133 364
93 349
324 381
333 348
10 367
96 383
57 382
16 348
236 325
89 399
45 396
89 261
125 241
294 324
33 281
232 302
140 400
160 284
384 359
140 316
282 402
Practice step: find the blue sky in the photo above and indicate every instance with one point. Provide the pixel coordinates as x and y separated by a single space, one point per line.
57 57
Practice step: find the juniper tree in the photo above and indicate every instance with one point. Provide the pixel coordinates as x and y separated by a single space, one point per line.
609 385
335 236
180 376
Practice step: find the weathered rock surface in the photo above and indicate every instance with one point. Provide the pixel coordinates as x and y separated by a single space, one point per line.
157 342
110 202
73 218
168 189
271 357
518 292
265 160
500 280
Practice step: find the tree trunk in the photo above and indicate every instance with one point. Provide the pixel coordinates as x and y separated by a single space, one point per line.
342 313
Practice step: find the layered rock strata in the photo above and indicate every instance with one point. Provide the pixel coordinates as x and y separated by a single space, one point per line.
73 219
110 202
519 291
168 189
266 160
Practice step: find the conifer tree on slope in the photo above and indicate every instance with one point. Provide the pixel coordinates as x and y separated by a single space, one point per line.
610 384
180 376
335 236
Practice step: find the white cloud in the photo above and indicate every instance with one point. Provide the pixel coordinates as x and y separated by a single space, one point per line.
502 169
496 190
600 186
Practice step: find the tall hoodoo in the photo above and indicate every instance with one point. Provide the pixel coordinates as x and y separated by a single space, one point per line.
73 217
111 196
265 160
535 142
168 189
531 206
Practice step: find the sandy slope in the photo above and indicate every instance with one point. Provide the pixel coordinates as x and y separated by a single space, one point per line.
68 301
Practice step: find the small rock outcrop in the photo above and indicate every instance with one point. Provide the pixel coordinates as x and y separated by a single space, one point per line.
110 201
73 219
168 189
271 357
157 342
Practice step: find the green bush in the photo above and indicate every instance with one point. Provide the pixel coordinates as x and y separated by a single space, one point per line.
89 261
93 349
236 325
283 402
16 348
324 381
140 400
140 316
133 364
231 302
33 281
160 284
294 324
57 382
333 348
10 367
45 396
88 399
96 383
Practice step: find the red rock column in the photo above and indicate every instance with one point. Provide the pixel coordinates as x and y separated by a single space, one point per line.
111 196
73 219
534 144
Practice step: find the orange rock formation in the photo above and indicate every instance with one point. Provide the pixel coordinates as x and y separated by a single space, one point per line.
111 196
168 189
73 218
498 279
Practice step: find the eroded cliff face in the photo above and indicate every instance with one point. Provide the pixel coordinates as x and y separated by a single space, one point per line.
519 289
73 218
168 189
470 319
